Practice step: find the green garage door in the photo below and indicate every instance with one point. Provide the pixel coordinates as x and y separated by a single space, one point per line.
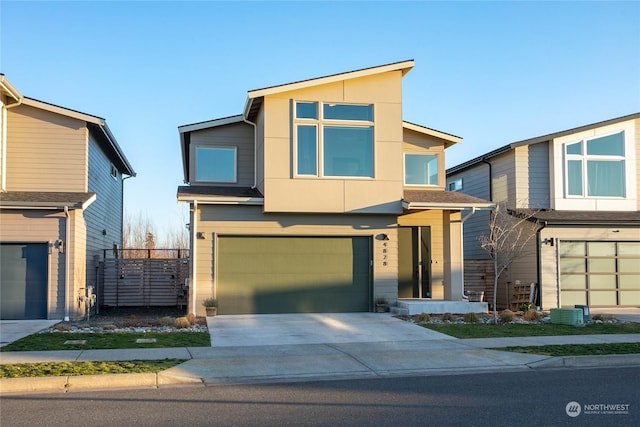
293 274
23 281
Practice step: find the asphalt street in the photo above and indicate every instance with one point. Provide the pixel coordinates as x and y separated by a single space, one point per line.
523 398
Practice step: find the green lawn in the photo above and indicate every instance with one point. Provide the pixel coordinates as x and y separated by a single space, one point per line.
477 330
578 349
56 369
108 340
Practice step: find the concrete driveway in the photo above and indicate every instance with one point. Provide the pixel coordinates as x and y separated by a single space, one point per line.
313 328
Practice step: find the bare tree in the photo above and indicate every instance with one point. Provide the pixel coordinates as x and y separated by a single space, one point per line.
510 232
137 233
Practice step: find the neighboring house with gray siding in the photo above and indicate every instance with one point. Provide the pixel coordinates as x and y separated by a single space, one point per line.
61 202
320 198
583 186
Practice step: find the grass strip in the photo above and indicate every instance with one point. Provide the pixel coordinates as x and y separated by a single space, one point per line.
577 349
108 340
58 369
477 330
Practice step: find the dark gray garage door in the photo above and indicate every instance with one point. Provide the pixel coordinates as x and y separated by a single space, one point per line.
23 281
293 274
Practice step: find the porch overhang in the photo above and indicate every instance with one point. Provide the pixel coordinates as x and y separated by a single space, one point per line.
443 200
217 195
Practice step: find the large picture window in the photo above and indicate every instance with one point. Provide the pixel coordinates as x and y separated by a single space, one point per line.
215 164
420 169
596 167
334 140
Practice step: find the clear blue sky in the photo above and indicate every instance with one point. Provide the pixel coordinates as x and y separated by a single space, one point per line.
490 72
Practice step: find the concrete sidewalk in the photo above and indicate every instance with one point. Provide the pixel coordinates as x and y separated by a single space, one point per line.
278 348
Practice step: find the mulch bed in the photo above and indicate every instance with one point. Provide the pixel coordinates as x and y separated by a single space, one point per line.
132 317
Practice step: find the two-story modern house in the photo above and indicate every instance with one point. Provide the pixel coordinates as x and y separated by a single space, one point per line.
582 187
61 204
320 198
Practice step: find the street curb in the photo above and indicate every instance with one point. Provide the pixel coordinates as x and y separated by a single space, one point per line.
66 384
587 361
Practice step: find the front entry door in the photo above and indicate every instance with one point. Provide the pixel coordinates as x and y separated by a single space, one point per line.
414 262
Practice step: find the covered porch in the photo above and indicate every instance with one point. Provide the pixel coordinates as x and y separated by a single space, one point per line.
431 252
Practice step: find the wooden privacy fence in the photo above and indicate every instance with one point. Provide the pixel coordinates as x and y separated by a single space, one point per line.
144 282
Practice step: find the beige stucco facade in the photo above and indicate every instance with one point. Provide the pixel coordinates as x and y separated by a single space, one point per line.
278 201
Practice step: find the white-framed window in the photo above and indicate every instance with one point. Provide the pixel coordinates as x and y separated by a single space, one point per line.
114 171
215 164
420 169
333 139
455 185
595 167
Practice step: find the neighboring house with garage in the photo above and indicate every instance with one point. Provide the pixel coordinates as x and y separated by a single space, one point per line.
582 186
320 198
61 203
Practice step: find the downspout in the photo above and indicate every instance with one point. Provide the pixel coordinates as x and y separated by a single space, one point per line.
67 262
484 160
194 236
539 267
255 151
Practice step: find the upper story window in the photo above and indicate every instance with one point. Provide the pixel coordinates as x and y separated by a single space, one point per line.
596 167
114 171
455 185
216 164
420 169
333 140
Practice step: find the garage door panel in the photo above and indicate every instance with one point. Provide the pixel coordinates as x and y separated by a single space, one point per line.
292 274
23 281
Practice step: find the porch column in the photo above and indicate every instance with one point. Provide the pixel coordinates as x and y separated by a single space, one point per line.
454 287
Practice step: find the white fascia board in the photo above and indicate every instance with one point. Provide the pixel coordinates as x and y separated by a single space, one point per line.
9 89
90 200
405 66
449 206
204 200
432 132
210 124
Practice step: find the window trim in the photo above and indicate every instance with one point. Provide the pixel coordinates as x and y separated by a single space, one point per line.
320 123
584 159
114 171
457 183
404 169
216 146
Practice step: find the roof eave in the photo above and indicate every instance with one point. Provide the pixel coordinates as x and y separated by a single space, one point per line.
447 206
221 200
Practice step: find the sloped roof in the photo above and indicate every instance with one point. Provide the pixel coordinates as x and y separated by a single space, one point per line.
587 217
436 199
537 140
219 194
255 97
46 200
448 138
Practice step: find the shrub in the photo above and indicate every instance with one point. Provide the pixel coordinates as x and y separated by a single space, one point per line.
181 323
470 318
447 316
602 317
423 317
191 318
63 327
531 315
167 321
506 316
527 306
108 327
